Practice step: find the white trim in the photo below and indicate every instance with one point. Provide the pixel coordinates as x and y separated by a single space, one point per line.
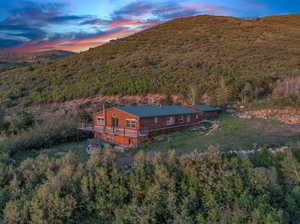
98 121
170 121
131 122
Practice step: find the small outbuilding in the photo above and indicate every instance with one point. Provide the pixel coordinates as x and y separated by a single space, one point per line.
206 111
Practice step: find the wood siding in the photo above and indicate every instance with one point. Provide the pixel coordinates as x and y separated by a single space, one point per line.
205 114
121 115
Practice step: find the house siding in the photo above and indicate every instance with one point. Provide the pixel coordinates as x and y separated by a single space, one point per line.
205 114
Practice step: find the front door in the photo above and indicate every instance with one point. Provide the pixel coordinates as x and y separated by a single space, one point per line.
115 122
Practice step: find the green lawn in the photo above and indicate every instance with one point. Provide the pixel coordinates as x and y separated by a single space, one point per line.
233 134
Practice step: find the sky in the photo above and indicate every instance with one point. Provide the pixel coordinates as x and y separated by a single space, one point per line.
77 25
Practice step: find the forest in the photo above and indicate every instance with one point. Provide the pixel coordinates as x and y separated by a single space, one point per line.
212 188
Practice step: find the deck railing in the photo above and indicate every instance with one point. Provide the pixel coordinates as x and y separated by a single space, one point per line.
116 131
130 132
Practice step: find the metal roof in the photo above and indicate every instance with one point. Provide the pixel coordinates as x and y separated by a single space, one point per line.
206 108
155 111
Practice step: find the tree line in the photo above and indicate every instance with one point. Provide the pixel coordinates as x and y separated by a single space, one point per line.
214 188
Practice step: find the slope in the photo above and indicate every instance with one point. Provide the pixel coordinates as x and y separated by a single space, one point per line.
224 58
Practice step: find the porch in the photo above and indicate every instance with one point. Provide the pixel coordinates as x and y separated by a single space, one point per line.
115 131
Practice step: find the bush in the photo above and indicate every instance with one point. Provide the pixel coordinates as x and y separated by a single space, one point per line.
46 134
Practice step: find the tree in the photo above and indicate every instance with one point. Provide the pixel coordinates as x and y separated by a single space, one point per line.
194 94
247 93
222 93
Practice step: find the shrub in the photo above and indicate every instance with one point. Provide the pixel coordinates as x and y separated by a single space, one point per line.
46 134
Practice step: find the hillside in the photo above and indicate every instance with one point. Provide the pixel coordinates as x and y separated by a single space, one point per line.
219 58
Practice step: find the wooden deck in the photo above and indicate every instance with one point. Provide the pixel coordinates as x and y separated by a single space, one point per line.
130 132
115 131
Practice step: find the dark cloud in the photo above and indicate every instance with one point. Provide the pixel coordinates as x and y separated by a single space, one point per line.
6 43
92 22
178 14
68 18
30 20
134 9
164 11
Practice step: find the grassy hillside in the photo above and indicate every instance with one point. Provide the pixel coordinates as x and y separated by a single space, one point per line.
222 58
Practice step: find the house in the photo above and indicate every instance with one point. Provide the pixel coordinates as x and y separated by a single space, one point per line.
130 125
206 111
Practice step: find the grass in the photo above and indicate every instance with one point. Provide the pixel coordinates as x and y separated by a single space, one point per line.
233 134
78 148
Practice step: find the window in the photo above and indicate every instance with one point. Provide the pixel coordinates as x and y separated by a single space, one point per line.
170 121
130 123
181 119
110 138
188 118
100 121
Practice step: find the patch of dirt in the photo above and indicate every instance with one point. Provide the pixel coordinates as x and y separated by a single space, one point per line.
95 102
290 130
288 115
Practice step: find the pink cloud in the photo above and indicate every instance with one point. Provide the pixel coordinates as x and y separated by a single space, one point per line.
130 22
207 8
70 45
97 22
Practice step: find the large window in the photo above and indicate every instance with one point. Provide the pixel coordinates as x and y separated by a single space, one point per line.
130 123
188 118
170 121
100 121
181 119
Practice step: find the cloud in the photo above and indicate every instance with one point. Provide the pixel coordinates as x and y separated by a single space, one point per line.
4 43
131 22
36 26
65 19
137 9
78 43
208 8
92 22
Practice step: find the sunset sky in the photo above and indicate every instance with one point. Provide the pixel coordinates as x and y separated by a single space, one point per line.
77 25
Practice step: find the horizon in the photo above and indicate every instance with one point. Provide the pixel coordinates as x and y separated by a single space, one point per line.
71 25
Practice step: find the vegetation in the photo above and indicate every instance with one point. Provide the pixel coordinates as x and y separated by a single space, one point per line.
233 133
224 58
212 188
25 133
220 59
